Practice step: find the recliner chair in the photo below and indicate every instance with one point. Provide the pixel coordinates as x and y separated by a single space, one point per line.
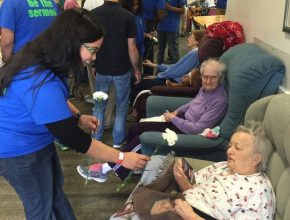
251 74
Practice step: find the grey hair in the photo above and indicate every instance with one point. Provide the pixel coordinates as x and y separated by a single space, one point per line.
262 144
221 67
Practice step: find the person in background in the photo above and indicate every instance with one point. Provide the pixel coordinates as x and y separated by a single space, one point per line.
204 111
116 61
168 31
153 12
221 5
202 5
135 7
34 109
183 66
198 8
174 72
68 4
22 21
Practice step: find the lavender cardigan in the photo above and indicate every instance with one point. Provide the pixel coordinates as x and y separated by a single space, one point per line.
204 111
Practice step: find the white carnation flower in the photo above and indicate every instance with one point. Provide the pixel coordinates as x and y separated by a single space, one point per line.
99 96
170 136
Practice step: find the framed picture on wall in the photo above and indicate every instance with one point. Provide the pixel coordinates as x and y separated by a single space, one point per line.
286 23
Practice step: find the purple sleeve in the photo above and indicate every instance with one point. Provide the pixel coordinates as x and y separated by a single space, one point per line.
182 109
208 119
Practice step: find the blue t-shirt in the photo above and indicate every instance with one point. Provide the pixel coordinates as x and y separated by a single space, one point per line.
150 7
27 19
171 21
140 34
25 109
222 4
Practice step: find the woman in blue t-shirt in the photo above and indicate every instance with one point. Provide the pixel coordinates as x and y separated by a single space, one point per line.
34 110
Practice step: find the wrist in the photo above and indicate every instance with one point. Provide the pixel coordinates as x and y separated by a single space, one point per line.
120 158
78 116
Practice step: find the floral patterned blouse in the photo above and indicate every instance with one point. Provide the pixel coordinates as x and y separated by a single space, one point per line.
223 195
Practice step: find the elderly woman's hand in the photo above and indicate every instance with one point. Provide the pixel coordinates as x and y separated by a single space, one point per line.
184 210
178 171
180 176
149 63
168 116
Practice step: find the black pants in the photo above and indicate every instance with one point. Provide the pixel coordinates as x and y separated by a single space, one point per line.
149 47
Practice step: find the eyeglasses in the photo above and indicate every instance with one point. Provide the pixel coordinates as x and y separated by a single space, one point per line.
210 78
92 50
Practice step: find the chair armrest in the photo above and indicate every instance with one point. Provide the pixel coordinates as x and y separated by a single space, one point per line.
175 92
157 105
187 145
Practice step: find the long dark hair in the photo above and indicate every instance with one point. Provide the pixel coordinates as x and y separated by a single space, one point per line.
128 5
57 48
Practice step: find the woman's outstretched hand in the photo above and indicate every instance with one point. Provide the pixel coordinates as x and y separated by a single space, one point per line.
135 161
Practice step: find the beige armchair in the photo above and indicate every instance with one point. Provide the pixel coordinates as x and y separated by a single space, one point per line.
274 112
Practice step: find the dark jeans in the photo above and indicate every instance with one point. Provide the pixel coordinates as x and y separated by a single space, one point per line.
38 180
172 40
148 55
134 143
149 47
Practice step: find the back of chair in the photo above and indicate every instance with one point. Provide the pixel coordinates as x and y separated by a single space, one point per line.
251 74
274 112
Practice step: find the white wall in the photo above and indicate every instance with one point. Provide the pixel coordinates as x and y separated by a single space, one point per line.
263 19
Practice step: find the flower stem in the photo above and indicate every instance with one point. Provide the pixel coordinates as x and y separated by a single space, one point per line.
87 164
127 180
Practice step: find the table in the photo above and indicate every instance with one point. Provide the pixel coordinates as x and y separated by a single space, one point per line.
205 21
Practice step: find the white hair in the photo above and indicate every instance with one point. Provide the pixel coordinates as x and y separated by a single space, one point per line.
262 144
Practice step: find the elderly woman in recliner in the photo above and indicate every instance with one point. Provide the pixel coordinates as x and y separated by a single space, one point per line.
235 189
204 111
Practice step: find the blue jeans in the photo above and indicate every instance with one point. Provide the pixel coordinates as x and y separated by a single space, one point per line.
38 180
122 85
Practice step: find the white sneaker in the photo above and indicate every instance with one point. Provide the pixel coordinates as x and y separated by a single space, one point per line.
118 146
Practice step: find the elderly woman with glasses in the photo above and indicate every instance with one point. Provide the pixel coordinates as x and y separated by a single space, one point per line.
204 111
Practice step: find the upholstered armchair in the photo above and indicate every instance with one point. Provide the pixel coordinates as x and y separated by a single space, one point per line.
251 74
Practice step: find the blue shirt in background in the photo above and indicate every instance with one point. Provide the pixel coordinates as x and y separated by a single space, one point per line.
141 29
26 108
171 21
27 19
178 70
222 4
150 8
